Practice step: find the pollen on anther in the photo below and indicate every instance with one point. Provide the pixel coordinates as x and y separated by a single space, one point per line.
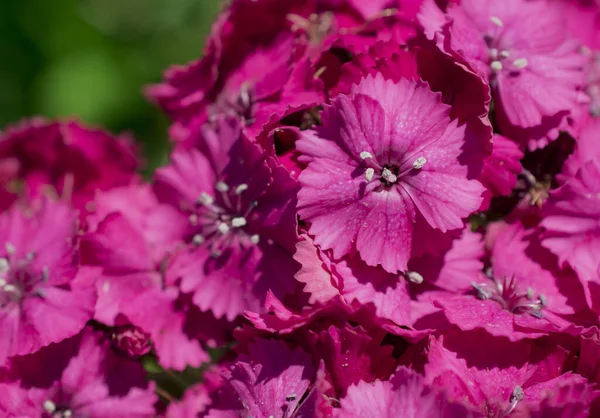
10 249
504 54
238 222
241 189
369 174
223 228
496 21
222 187
205 199
255 239
414 277
3 265
365 155
520 63
49 406
198 239
419 163
496 66
2 283
388 176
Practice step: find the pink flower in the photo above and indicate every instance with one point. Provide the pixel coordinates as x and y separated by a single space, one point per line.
78 377
572 228
495 377
379 170
405 395
44 298
65 159
535 70
131 340
500 170
523 295
271 380
241 222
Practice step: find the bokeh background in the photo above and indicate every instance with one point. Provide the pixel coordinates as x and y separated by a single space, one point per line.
90 59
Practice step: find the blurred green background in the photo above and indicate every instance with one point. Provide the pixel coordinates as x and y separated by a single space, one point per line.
92 58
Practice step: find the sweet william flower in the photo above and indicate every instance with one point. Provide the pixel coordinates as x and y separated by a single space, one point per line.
66 159
44 297
79 377
521 48
406 394
387 161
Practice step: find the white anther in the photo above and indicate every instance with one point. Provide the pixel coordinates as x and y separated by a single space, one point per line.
419 163
496 66
205 199
543 300
365 155
518 394
494 53
496 21
198 239
255 239
414 277
291 397
222 187
3 265
106 286
2 282
49 406
223 228
520 63
193 219
10 249
388 176
67 414
504 54
241 189
369 174
238 222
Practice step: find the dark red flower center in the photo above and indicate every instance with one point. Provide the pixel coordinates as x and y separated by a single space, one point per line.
18 279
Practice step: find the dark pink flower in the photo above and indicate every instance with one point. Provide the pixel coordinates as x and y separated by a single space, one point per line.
271 380
44 297
523 295
405 395
80 377
241 222
500 170
64 159
535 69
379 170
495 377
131 340
572 229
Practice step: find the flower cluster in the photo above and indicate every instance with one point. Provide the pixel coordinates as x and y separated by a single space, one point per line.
375 208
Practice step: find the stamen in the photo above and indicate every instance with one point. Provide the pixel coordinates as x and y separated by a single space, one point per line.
9 288
10 249
419 163
543 301
198 239
414 277
496 66
365 155
67 414
205 199
241 189
517 395
193 219
3 265
223 228
222 187
481 293
106 286
369 174
496 21
388 176
2 282
520 63
504 54
255 239
291 397
49 406
238 222
494 54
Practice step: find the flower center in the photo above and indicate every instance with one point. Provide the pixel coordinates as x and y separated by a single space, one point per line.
17 278
316 27
388 175
510 297
501 57
220 224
